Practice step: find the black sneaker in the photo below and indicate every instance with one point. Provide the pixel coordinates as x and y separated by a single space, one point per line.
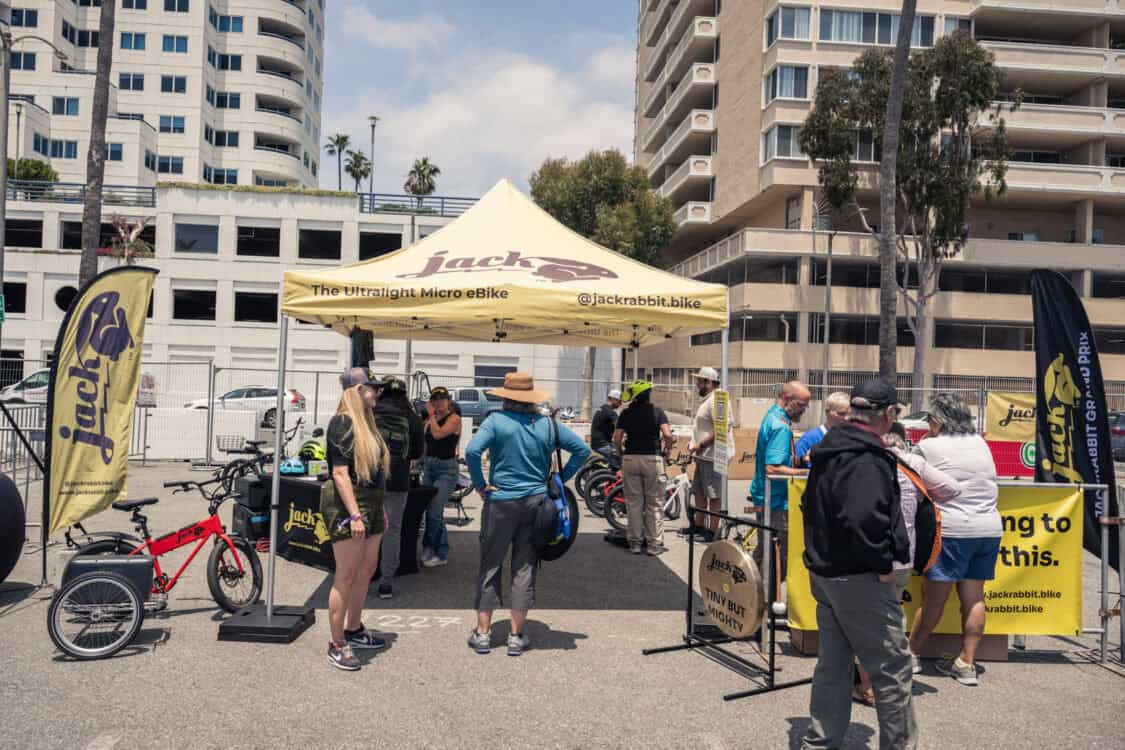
385 591
342 657
364 639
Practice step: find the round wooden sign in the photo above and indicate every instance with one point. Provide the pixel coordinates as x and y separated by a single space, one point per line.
731 587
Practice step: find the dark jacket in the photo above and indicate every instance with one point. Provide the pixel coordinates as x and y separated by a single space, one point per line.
602 426
851 507
399 411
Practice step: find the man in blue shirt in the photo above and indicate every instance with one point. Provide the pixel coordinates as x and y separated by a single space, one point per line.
836 408
774 459
521 443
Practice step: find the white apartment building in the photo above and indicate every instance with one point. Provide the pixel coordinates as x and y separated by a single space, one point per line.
217 91
723 87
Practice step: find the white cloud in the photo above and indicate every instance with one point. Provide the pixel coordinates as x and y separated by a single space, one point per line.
486 114
427 30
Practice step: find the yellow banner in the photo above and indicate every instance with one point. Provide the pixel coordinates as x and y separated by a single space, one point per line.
1038 584
1010 416
93 392
722 432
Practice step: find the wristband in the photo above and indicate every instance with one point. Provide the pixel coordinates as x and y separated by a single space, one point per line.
347 521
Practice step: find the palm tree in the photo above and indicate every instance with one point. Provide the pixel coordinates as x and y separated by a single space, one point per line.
422 179
338 146
358 166
95 157
374 120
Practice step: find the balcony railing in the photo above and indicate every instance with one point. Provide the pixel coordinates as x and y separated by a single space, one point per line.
430 205
289 39
273 111
283 150
75 192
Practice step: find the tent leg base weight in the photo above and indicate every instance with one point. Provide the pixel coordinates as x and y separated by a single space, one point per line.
250 625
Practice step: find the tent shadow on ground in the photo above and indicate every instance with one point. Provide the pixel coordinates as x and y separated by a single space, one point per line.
593 575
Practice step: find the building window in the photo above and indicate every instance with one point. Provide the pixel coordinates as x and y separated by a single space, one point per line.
1109 285
224 23
753 271
780 142
787 82
89 3
170 164
975 334
173 84
220 176
114 151
197 238
41 144
23 60
872 28
1117 161
27 18
319 244
174 43
176 6
15 297
865 146
260 242
1036 157
131 81
23 232
171 124
193 304
957 23
857 330
374 244
150 161
64 105
132 40
487 376
87 38
787 23
223 99
64 149
270 181
134 4
224 138
983 280
71 237
255 307
222 61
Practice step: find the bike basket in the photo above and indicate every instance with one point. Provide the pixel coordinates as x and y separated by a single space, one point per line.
231 443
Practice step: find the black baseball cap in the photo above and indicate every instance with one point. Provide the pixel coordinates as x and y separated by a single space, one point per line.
354 376
439 392
874 394
391 384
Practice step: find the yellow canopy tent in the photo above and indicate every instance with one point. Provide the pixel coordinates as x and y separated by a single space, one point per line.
506 270
503 271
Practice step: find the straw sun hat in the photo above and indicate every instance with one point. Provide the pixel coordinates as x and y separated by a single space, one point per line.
520 386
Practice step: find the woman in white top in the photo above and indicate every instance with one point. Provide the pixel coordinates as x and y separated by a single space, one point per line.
970 533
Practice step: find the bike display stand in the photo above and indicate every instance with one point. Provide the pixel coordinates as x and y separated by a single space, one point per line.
693 640
253 625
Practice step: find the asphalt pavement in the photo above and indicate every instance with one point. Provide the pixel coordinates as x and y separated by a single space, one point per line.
584 684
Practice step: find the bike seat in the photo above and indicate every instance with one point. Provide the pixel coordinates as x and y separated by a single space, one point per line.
256 443
128 505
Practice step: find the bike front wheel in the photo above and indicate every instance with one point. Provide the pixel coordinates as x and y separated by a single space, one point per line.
672 505
616 511
231 587
95 615
597 485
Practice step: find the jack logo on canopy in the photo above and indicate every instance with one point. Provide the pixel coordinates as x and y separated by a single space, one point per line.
553 269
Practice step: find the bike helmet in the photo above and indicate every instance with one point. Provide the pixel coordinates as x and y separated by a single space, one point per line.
293 467
312 450
634 389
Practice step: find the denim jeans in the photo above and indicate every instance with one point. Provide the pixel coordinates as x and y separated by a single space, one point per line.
441 473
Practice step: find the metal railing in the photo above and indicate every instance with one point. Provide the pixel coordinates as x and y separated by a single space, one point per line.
289 39
277 150
287 76
75 192
274 111
435 205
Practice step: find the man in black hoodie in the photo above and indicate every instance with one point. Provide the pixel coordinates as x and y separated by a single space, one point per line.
402 429
854 532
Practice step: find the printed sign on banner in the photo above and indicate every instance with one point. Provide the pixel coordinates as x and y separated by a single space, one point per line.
1010 417
722 432
1038 585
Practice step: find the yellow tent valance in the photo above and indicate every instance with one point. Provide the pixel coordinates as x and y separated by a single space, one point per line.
507 271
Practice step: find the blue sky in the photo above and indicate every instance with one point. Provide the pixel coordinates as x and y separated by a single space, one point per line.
486 89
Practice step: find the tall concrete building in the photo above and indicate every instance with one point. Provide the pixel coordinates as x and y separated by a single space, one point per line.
219 91
722 90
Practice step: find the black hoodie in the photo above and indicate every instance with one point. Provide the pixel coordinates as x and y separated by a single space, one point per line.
851 507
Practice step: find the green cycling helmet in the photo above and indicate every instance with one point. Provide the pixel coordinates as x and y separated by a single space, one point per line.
312 450
634 389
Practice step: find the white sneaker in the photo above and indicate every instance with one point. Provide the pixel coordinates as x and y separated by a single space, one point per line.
434 562
427 553
915 664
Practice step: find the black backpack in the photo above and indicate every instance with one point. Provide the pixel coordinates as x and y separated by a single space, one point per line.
927 522
395 429
556 516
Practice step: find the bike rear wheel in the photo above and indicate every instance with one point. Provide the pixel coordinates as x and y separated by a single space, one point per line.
588 470
672 507
597 486
616 511
231 588
95 615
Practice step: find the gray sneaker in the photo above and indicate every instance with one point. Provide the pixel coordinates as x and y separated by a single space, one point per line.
915 664
480 642
518 643
966 674
341 657
655 549
636 549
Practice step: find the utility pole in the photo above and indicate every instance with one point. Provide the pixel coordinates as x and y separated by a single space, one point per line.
374 120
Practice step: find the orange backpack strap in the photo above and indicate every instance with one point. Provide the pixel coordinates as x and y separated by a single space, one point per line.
913 477
931 555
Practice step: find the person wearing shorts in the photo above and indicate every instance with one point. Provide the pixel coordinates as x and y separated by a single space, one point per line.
351 502
970 533
706 484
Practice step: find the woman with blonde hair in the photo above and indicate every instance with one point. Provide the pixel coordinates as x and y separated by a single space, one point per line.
351 502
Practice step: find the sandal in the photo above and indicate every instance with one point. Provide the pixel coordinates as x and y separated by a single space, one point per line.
865 697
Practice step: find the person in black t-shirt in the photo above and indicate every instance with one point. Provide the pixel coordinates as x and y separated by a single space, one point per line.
642 435
603 426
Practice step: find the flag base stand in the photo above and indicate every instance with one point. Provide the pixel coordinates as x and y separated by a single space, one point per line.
250 625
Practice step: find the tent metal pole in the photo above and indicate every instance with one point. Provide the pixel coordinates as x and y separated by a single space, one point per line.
275 479
636 363
725 354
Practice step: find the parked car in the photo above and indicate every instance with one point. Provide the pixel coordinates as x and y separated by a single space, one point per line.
476 403
254 398
30 390
1117 434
